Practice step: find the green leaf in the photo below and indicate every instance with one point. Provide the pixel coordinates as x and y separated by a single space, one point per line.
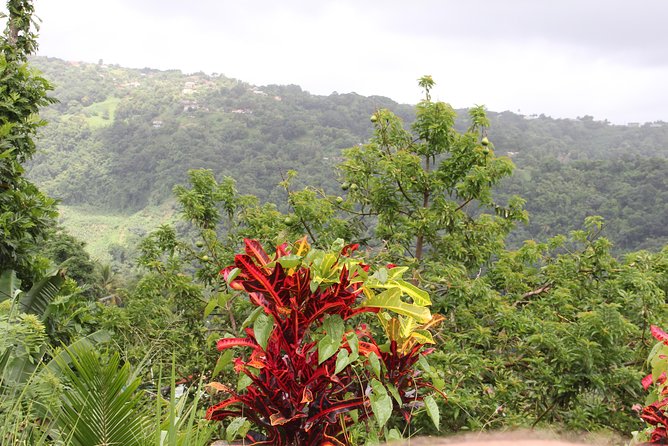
243 382
243 430
263 326
222 361
326 348
407 326
432 410
423 336
9 285
391 300
372 438
210 306
38 298
393 435
397 272
251 317
233 428
223 298
102 404
337 245
658 360
353 343
381 275
381 403
424 363
233 275
290 261
375 364
395 393
342 360
333 326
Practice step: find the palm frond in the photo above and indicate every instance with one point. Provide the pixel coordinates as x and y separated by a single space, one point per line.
37 299
101 406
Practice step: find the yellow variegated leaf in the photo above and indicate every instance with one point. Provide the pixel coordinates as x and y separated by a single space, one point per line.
396 273
420 297
391 300
394 330
302 247
407 325
423 337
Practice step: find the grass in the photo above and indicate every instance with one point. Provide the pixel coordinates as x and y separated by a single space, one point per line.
100 230
101 114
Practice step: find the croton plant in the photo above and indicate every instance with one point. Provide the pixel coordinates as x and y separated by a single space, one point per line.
655 412
310 362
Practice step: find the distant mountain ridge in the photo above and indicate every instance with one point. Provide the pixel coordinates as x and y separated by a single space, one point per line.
120 139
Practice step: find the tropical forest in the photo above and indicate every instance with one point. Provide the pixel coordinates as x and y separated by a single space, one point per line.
191 259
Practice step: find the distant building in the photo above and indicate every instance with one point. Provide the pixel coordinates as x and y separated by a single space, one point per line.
633 124
189 106
157 124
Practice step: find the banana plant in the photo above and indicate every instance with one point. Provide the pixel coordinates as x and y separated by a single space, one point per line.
17 367
37 299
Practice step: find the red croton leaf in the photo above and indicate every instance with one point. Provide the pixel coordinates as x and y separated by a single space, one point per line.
659 334
277 419
349 249
256 252
226 343
331 441
216 412
647 381
307 396
659 436
235 284
255 273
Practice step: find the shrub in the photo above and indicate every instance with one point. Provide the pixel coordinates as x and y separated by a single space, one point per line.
315 368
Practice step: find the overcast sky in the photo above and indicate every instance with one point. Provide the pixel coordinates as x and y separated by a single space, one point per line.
564 58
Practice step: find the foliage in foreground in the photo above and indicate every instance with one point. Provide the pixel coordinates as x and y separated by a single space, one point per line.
25 212
314 373
550 333
654 412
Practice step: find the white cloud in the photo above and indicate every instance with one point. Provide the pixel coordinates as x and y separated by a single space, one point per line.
560 58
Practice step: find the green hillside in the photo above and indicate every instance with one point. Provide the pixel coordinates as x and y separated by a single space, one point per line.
120 139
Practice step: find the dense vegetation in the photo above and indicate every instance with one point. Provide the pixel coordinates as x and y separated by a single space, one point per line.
120 139
427 322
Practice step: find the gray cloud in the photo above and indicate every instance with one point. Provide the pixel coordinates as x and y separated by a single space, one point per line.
567 58
629 32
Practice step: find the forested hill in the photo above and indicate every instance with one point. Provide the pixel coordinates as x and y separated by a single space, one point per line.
121 138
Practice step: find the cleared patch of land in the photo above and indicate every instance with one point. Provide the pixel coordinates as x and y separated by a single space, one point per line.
100 230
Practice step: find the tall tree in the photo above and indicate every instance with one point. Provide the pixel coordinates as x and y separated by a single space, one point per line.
25 212
431 189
